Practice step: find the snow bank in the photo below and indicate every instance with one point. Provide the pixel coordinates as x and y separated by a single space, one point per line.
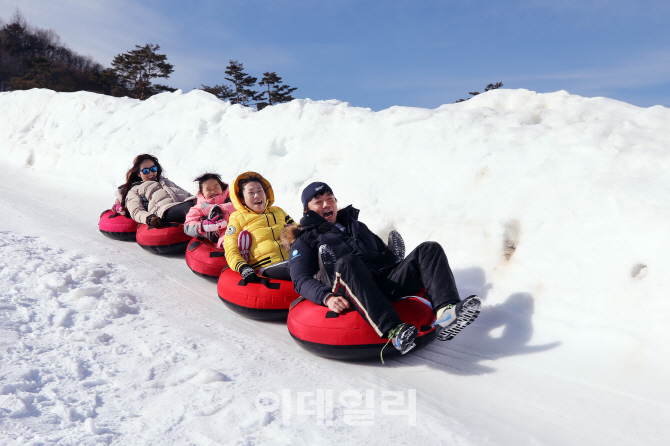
550 206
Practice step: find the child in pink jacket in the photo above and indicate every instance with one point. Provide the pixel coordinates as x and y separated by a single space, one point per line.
212 210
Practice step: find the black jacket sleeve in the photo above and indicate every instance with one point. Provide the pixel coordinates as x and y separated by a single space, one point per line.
304 263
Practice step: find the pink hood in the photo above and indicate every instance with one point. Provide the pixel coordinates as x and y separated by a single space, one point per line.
219 199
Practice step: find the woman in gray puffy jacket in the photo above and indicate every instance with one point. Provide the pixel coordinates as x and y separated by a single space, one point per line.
152 199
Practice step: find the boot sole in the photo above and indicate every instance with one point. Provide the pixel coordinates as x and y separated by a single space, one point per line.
469 312
328 262
409 338
398 242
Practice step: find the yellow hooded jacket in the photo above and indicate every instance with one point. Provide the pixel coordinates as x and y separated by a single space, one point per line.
264 228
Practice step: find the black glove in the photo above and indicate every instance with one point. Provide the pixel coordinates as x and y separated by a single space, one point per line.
155 222
249 275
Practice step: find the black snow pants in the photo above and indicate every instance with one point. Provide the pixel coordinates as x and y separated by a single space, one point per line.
177 213
371 293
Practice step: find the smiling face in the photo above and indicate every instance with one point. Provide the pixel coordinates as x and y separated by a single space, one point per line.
151 176
254 196
325 205
211 188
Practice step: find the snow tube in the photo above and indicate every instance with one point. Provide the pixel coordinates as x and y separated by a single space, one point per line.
205 259
168 240
117 226
266 301
347 335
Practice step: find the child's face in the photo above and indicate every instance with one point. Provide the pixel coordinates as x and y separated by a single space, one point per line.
210 189
254 196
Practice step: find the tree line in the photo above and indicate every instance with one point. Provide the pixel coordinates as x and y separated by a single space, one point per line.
489 87
35 58
31 57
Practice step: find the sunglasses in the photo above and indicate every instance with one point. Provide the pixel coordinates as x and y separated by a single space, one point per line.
146 170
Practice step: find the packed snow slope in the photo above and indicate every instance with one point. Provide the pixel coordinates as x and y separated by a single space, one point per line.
552 207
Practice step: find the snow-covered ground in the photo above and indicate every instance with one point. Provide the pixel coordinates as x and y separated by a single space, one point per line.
552 207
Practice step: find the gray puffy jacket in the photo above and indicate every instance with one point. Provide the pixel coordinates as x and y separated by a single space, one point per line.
154 197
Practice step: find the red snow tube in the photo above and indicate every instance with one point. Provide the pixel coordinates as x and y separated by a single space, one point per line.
266 301
168 240
347 335
205 259
117 226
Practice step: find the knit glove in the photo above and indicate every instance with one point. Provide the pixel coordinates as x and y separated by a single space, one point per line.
214 224
249 275
155 222
117 208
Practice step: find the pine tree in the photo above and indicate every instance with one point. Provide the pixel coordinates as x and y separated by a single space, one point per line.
242 93
488 88
222 92
45 73
275 93
136 68
107 82
32 57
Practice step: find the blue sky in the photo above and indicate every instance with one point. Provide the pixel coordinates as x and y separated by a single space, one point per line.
378 53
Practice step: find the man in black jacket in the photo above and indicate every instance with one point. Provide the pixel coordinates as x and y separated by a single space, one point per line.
356 269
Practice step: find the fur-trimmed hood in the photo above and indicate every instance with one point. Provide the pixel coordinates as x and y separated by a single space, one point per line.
312 220
289 235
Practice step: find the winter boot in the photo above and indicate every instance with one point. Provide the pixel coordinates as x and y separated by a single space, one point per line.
326 265
244 244
453 318
403 337
396 244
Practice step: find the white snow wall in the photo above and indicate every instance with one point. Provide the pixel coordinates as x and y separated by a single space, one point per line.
554 195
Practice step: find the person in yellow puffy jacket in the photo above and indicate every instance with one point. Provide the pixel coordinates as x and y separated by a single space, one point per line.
252 238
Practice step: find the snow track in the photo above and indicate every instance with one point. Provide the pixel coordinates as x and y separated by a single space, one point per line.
106 343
